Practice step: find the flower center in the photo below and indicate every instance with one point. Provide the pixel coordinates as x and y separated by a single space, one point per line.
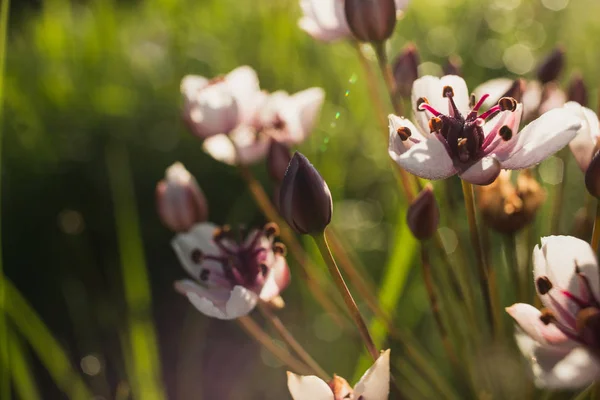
464 136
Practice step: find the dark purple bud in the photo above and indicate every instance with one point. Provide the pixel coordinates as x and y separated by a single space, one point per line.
453 66
179 201
371 20
277 160
516 90
552 66
577 90
423 215
405 69
592 176
304 199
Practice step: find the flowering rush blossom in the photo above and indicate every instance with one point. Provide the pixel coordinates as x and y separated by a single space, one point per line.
288 119
585 144
325 20
562 341
229 277
374 384
452 136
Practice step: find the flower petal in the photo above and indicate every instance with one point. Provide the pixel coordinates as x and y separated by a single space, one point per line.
308 387
483 172
218 302
249 148
243 85
375 383
428 159
495 88
324 19
528 318
584 144
277 280
540 139
198 238
558 368
307 106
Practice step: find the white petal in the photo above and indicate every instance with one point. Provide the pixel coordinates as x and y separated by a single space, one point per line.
219 302
483 172
395 122
401 4
277 280
308 387
494 88
557 368
324 19
306 106
428 159
375 383
191 84
584 144
556 258
531 99
248 148
528 318
540 139
198 238
243 84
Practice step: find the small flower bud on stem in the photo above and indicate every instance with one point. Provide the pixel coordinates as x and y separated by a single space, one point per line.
371 20
552 66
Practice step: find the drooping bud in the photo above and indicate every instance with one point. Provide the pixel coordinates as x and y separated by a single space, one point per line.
577 90
304 198
371 20
453 66
423 215
278 159
179 200
552 66
592 176
405 69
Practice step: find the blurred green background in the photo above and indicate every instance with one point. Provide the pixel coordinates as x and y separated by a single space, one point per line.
87 79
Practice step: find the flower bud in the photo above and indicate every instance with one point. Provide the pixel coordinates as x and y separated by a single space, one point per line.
304 199
453 66
552 66
278 159
179 201
405 69
592 176
516 90
577 90
506 208
371 20
423 215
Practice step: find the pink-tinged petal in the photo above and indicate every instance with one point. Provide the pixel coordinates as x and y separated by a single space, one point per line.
495 88
558 367
277 279
395 123
198 238
242 147
401 4
584 144
190 85
556 259
540 139
308 387
307 105
244 86
532 97
217 302
210 110
497 146
375 383
483 172
324 19
428 159
552 97
528 318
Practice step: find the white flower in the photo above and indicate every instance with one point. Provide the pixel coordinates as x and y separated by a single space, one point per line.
374 384
585 143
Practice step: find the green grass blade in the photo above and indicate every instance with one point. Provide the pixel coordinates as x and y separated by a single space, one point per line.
22 375
143 347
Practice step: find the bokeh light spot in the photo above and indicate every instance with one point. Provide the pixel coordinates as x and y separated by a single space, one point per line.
551 170
71 222
91 365
555 5
489 54
441 41
449 239
518 59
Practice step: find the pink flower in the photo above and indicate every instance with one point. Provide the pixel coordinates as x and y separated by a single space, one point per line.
325 20
230 277
452 136
219 105
585 144
562 342
289 119
374 384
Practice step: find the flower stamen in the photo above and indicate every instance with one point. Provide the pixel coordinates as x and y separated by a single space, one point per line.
404 133
435 124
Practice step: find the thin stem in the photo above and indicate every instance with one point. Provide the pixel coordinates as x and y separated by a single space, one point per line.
287 336
480 257
559 195
321 242
258 334
388 76
433 302
518 275
596 231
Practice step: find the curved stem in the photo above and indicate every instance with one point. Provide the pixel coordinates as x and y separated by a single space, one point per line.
293 343
388 76
596 231
321 242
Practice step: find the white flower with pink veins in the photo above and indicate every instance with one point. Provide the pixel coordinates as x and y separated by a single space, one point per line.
562 341
230 277
452 136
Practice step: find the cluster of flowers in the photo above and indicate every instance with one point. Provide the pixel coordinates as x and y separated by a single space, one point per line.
234 271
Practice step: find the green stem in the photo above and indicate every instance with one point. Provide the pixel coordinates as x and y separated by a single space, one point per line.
480 257
559 195
321 242
596 231
517 274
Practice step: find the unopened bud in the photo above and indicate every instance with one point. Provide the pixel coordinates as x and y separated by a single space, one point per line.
179 201
423 215
552 66
341 388
592 176
304 198
506 208
405 69
371 20
453 66
278 159
577 90
516 90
